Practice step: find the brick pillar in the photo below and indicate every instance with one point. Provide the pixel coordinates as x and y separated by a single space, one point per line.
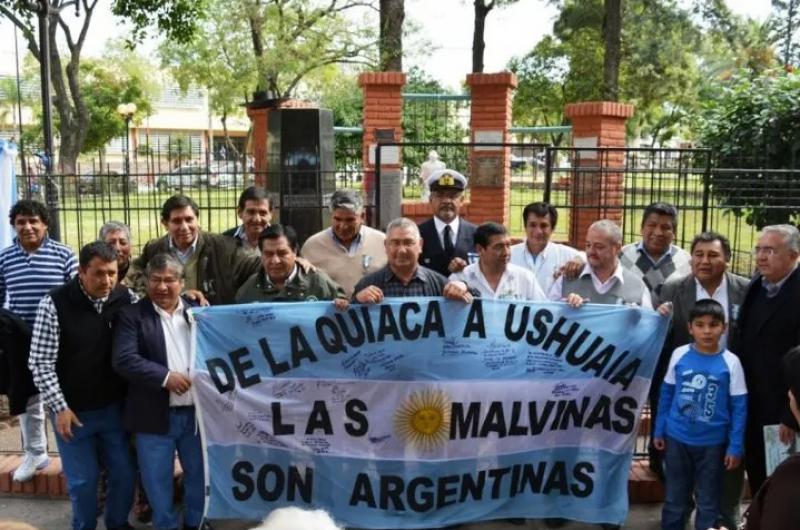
258 118
490 175
597 191
382 120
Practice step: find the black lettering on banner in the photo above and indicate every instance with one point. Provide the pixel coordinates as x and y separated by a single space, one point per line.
276 368
515 429
460 426
301 349
433 321
572 357
392 489
475 323
358 336
541 319
289 484
582 473
598 363
423 501
601 414
539 421
368 323
627 374
625 409
319 419
354 409
241 366
215 366
276 491
362 491
472 487
557 480
573 414
562 339
410 333
444 493
497 476
332 342
241 474
512 334
533 477
278 427
388 324
495 421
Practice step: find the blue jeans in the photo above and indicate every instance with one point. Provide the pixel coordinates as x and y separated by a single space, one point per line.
691 468
156 453
101 436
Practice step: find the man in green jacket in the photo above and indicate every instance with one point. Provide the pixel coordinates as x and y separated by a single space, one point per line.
213 264
282 279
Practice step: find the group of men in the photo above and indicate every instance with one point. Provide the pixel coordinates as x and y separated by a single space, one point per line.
110 341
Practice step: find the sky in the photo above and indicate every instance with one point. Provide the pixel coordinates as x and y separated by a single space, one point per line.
446 25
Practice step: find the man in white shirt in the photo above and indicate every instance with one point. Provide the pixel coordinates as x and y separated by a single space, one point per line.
493 276
537 253
152 347
603 280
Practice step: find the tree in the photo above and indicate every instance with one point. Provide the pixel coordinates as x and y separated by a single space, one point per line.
392 14
753 124
785 21
72 112
612 49
482 10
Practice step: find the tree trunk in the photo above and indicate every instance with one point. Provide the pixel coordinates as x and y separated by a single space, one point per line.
392 13
478 44
612 36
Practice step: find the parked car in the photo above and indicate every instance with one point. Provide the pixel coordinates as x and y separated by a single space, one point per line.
105 182
518 162
182 177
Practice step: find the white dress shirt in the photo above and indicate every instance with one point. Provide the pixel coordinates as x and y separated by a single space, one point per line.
178 340
546 263
721 296
439 224
516 283
600 286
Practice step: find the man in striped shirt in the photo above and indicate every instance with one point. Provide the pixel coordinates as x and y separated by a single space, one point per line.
29 268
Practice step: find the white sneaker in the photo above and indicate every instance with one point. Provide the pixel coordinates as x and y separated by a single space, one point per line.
29 466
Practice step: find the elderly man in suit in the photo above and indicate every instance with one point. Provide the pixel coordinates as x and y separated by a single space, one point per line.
710 256
769 326
447 238
152 348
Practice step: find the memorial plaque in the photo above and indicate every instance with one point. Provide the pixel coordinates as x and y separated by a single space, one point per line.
487 171
384 135
391 197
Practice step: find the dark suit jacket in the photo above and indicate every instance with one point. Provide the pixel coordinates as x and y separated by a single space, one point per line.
682 292
433 255
15 378
140 356
761 341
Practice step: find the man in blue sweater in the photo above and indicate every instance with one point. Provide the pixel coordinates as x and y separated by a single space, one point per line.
701 420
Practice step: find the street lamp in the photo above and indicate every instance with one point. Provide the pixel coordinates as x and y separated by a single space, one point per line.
127 110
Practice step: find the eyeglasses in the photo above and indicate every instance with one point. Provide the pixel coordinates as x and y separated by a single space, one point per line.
767 251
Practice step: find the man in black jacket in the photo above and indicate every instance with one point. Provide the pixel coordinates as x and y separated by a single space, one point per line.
213 264
769 326
70 361
15 378
447 238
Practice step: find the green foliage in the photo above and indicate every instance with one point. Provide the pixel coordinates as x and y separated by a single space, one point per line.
784 25
175 19
754 123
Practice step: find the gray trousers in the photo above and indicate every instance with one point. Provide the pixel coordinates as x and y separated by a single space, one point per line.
31 426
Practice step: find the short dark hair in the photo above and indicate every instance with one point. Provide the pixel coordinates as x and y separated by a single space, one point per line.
710 237
161 262
276 231
96 249
178 202
29 207
486 230
661 208
791 370
254 193
540 209
707 308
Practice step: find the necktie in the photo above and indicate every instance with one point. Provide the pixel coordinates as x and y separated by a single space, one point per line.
448 241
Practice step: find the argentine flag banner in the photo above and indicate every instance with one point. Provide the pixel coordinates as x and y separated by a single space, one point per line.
422 412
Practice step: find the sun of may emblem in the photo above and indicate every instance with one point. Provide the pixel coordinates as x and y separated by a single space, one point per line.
423 420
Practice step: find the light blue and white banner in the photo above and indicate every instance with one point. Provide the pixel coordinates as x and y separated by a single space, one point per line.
8 190
422 413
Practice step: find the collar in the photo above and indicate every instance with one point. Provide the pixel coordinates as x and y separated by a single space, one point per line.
392 276
354 244
670 251
45 242
774 288
452 224
587 269
292 276
723 285
93 300
185 255
178 310
542 254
